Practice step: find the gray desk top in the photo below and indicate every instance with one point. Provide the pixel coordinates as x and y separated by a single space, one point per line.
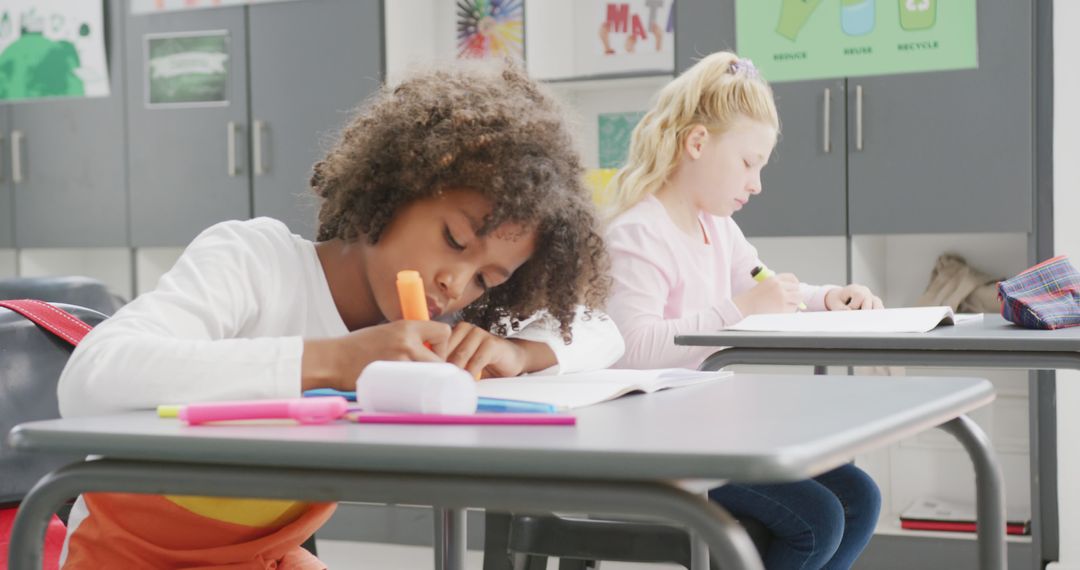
744 428
991 333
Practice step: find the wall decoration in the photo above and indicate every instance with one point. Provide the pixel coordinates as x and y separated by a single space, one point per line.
187 69
490 28
614 130
153 6
814 39
624 37
52 48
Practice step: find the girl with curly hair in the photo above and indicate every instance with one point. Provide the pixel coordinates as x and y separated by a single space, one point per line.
467 175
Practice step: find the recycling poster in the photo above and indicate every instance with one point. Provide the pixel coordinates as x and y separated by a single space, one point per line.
816 39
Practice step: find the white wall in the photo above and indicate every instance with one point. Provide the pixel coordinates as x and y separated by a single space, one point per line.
1067 241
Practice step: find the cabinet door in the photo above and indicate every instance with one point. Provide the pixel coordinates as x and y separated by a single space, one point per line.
804 186
948 151
71 190
702 27
7 204
188 161
302 92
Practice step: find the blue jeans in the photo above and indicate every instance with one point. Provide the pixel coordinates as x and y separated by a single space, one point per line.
824 522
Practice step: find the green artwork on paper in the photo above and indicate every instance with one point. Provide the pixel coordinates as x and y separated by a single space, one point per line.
614 130
51 49
793 40
187 69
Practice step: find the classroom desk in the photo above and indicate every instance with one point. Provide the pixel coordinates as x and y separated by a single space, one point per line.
991 342
632 456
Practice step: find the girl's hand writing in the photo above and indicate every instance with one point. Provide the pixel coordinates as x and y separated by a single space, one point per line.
779 294
483 354
852 297
337 362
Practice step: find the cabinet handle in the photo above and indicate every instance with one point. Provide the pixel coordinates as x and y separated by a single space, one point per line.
826 109
16 157
1 157
230 147
256 147
858 118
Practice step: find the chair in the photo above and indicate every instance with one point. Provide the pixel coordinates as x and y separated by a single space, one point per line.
73 290
31 360
524 542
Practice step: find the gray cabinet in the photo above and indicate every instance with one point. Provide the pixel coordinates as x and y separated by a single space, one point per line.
188 162
311 64
934 152
804 187
7 204
949 151
68 188
295 72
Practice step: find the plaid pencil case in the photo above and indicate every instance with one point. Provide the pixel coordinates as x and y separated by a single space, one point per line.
1046 296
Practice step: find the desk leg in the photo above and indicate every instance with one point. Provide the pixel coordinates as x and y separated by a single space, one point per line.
725 537
450 545
699 552
990 491
699 549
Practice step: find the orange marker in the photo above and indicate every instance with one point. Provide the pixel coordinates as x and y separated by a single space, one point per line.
410 290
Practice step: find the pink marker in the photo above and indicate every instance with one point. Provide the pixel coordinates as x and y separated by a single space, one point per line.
303 410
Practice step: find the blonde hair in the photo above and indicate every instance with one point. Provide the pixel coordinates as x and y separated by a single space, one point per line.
713 93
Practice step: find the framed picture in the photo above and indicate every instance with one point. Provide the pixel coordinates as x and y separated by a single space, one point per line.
490 28
187 69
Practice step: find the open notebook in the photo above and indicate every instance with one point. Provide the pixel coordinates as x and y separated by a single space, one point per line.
588 388
906 320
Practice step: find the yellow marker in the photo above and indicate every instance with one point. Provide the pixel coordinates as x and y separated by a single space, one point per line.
761 273
168 411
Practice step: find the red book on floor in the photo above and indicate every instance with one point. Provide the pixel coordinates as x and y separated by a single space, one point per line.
932 514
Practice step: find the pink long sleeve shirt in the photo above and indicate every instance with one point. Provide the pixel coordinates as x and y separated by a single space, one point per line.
668 283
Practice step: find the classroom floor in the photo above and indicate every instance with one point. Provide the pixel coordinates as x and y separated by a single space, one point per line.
366 555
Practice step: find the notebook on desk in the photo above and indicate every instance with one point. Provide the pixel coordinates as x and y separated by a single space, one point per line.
570 391
905 320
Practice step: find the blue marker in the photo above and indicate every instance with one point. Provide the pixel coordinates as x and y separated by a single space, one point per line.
513 406
490 405
323 392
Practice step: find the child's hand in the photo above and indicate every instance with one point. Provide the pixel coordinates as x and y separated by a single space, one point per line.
852 297
482 353
779 294
337 362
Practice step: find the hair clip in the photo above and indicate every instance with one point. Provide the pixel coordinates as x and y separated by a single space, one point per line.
746 66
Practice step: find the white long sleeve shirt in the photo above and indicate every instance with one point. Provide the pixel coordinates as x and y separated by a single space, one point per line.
228 321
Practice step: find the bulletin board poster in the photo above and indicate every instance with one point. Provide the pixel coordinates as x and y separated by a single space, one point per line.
633 36
791 40
613 137
187 69
153 6
51 49
490 28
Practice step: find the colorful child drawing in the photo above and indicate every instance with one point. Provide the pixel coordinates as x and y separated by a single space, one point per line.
487 28
621 19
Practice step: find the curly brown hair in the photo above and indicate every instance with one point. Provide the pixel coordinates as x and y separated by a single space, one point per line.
492 130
